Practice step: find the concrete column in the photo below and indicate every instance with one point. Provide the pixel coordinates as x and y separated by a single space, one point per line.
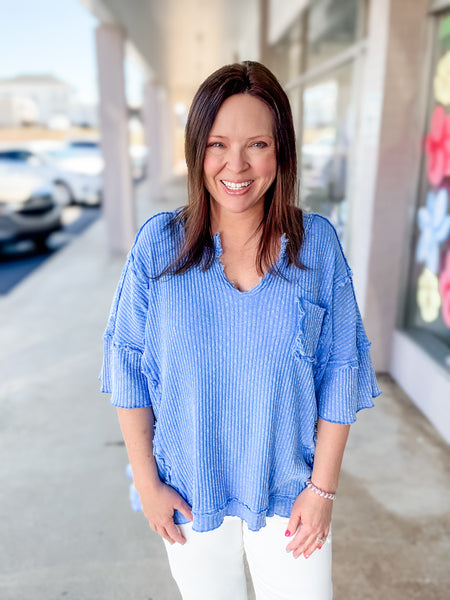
118 203
158 133
367 147
153 136
264 48
167 133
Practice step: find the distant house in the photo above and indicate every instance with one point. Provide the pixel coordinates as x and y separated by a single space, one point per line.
43 100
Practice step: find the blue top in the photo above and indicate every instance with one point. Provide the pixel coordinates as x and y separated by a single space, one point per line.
237 380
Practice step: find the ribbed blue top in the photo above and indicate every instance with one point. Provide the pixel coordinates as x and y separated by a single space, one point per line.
237 380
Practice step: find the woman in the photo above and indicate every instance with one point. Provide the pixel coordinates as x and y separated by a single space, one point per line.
237 358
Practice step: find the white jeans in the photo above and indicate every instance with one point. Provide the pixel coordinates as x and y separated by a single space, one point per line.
210 566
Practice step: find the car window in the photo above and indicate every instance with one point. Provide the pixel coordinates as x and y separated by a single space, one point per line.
10 155
84 145
17 155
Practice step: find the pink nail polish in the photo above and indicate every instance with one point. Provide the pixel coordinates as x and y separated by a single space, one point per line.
306 555
287 533
320 547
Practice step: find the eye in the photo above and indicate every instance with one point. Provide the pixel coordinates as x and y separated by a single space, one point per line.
215 145
259 145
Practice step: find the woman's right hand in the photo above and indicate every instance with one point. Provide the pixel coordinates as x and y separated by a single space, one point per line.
158 504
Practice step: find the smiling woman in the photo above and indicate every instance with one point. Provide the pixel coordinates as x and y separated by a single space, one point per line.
240 161
247 108
240 165
237 358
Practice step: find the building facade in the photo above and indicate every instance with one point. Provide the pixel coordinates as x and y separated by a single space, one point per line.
42 100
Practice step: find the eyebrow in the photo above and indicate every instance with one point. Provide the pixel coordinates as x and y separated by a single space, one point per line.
254 137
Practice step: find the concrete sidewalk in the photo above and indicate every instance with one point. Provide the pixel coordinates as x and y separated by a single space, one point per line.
66 527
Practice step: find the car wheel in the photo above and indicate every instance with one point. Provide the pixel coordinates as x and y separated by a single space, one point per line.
62 194
41 243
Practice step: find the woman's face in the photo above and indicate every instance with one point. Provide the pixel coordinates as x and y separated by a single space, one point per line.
240 159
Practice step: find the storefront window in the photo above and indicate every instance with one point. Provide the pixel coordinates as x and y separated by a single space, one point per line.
332 27
428 297
288 54
313 63
327 119
294 96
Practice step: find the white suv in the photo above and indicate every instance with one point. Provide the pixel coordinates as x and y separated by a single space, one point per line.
76 174
27 207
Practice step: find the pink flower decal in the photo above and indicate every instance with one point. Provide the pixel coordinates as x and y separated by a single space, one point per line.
444 290
437 146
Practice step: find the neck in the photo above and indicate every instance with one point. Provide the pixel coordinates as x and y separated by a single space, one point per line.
236 229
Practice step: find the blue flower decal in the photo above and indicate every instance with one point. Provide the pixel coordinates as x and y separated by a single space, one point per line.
134 496
434 225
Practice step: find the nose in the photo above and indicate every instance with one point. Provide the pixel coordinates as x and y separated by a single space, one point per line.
237 160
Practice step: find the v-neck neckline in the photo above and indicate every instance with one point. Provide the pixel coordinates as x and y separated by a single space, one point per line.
262 280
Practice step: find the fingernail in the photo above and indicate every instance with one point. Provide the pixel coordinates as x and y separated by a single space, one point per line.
287 551
320 547
287 533
306 555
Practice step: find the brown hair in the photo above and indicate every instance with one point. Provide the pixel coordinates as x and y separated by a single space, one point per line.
281 215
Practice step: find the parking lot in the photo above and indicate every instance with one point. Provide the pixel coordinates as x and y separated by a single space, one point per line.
19 259
50 191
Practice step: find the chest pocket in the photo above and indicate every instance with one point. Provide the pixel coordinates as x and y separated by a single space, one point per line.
310 321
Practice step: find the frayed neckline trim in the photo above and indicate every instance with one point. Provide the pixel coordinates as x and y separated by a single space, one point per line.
262 280
219 250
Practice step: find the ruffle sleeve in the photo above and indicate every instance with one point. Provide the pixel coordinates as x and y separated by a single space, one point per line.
121 373
348 381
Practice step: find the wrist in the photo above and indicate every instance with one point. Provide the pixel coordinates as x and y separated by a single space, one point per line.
329 495
147 484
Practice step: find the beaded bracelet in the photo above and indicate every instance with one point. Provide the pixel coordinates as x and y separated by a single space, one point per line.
317 490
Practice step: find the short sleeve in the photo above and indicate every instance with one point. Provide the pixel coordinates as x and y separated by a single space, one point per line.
124 341
348 381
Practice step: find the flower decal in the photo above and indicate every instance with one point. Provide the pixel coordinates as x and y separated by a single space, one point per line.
434 225
437 146
442 80
428 298
444 289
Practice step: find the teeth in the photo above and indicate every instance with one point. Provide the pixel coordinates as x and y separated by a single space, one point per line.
236 186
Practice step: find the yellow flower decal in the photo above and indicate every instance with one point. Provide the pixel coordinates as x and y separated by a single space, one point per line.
442 80
428 297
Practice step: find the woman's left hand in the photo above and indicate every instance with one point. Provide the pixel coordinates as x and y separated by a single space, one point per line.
311 515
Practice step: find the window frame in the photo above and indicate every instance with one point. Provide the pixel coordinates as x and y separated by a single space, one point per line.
355 54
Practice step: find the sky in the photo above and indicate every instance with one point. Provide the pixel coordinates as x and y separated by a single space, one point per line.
55 37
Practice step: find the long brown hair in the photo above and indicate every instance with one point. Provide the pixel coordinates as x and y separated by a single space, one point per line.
281 215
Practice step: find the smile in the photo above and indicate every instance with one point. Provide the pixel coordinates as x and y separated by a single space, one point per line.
236 186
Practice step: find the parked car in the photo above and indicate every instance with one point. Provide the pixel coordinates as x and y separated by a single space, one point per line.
75 167
138 155
79 173
76 176
84 145
28 209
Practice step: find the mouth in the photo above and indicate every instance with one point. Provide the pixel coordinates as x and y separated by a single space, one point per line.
234 186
